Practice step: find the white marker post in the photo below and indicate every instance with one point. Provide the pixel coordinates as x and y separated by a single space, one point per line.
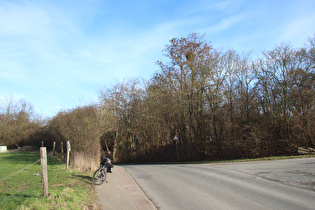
176 140
68 154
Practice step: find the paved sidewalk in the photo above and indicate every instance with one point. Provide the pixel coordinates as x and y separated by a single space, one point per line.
122 192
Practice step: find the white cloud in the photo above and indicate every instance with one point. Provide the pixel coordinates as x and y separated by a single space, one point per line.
16 19
293 30
225 24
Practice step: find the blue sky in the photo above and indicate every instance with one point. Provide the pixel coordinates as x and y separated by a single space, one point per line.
59 54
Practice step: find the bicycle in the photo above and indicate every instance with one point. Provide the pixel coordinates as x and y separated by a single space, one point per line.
99 175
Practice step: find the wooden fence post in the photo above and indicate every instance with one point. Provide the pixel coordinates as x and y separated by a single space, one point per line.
54 147
62 155
43 162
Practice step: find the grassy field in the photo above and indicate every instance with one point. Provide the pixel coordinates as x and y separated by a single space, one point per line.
21 189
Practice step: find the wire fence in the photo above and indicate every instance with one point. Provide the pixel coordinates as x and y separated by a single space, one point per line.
4 178
18 181
21 182
21 187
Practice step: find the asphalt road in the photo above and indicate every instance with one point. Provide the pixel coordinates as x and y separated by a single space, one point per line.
278 184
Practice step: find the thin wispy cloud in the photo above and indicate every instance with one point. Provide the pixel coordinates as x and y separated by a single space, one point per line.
58 54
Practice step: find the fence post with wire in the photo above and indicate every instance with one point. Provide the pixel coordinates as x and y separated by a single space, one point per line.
43 161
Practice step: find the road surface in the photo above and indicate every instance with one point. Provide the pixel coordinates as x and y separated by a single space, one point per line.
278 184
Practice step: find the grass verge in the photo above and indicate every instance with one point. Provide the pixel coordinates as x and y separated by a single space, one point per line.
253 159
22 189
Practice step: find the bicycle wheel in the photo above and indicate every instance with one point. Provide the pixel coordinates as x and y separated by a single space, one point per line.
99 176
105 173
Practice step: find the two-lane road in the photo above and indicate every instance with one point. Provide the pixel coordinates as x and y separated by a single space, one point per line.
281 184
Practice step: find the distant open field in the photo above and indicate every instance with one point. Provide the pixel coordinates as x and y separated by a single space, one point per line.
21 187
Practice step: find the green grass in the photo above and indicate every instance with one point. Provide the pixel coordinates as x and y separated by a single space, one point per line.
67 189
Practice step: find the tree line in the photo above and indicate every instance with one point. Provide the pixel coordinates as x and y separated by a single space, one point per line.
220 105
